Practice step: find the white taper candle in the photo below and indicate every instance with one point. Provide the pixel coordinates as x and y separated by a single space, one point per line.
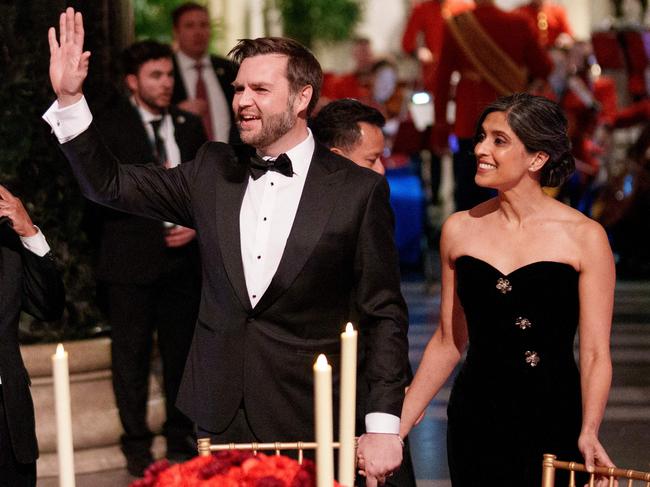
324 422
347 408
63 417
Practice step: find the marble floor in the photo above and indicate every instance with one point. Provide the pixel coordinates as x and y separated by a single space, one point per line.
625 430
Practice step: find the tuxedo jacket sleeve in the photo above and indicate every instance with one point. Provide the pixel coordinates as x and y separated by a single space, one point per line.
32 284
340 260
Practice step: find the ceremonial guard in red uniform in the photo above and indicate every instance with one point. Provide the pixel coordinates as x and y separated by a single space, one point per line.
496 53
549 19
427 20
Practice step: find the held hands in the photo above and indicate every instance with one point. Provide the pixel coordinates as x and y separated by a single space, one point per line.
378 455
12 208
68 61
594 455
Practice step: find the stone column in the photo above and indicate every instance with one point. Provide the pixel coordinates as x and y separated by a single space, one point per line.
232 15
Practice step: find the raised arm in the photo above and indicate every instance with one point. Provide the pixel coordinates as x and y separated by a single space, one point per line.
447 343
596 287
68 61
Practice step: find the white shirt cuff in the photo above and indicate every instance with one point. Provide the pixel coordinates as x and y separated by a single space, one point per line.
36 243
382 423
70 121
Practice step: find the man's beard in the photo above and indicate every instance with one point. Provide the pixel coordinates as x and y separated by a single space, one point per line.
152 103
273 127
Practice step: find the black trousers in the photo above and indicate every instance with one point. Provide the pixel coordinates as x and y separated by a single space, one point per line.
467 193
12 473
168 307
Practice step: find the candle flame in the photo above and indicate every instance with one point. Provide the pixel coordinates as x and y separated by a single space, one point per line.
349 328
60 352
321 361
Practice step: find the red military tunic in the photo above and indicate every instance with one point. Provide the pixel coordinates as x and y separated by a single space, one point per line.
550 21
638 112
427 18
514 35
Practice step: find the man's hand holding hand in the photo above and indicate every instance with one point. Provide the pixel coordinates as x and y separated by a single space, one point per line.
379 455
68 61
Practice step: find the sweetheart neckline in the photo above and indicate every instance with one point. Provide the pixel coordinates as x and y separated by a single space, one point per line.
525 266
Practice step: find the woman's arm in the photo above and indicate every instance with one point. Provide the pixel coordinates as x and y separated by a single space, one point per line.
448 342
596 288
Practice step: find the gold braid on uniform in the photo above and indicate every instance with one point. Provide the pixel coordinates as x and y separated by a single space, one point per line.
493 64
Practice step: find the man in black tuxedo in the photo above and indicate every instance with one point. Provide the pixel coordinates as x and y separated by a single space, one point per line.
202 82
352 129
29 282
291 247
149 271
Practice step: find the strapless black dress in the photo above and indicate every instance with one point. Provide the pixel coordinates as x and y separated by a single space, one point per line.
517 395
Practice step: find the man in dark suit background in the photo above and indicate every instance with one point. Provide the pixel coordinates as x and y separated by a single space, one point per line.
203 82
149 271
292 246
29 282
353 130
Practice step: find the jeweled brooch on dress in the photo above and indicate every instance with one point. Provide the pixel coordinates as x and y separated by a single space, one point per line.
532 358
503 285
523 323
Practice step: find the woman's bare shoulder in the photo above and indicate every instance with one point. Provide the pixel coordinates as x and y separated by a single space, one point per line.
473 217
579 225
588 237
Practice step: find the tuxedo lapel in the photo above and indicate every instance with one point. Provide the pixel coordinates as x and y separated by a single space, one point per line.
229 197
317 202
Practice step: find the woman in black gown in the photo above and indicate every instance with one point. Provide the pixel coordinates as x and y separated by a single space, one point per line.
521 272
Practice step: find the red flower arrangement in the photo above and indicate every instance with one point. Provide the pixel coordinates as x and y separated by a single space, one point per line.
231 469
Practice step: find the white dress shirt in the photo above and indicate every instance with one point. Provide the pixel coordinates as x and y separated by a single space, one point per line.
219 107
266 217
36 243
166 133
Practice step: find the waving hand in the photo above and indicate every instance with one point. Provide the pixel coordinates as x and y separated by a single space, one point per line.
68 61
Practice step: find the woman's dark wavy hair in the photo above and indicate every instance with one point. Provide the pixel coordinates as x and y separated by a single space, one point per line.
541 126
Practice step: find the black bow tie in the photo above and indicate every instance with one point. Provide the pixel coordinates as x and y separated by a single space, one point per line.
259 166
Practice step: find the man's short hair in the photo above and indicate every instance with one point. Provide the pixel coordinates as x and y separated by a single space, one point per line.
183 8
302 67
337 123
140 52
